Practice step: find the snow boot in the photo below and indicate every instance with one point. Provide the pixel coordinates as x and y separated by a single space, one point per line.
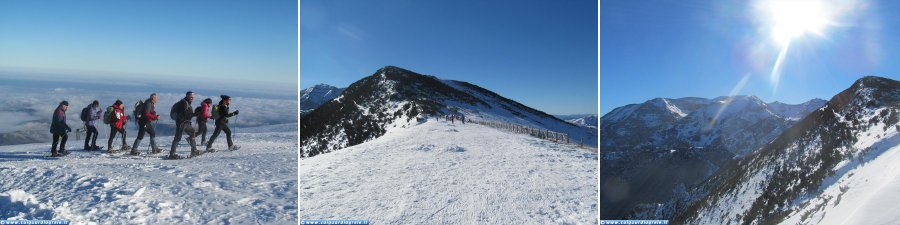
174 157
234 147
154 149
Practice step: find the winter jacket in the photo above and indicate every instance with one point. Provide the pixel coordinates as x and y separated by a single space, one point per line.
202 112
119 117
184 111
149 113
58 126
223 114
94 114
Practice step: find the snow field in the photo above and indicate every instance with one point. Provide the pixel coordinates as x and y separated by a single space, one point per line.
256 184
438 172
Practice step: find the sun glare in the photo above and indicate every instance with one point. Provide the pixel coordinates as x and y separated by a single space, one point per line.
795 18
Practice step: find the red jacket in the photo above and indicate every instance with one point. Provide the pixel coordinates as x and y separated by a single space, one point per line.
119 118
206 113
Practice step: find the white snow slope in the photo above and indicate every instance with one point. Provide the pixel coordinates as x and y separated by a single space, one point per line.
866 194
442 173
256 184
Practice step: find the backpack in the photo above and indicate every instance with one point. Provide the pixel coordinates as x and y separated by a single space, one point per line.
198 112
215 112
138 110
173 113
84 113
107 116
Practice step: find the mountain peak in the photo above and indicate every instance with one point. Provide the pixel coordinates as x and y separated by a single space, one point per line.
876 82
321 85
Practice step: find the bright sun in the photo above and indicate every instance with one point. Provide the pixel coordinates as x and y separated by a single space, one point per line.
794 18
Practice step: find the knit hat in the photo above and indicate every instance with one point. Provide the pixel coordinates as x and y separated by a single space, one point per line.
66 103
118 102
225 97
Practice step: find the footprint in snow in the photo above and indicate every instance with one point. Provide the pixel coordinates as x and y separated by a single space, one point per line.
455 148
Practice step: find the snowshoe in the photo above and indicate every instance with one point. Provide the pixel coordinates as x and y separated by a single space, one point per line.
134 153
174 157
97 148
195 153
234 148
156 151
210 150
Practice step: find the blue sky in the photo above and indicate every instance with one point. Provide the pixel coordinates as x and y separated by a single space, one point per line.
208 40
540 53
695 48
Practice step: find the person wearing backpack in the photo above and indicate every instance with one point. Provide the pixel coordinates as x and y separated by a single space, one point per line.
116 119
145 113
220 114
202 113
60 130
89 115
182 112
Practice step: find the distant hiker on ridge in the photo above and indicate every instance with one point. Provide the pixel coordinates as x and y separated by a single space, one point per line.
60 129
220 114
116 118
182 112
90 115
145 113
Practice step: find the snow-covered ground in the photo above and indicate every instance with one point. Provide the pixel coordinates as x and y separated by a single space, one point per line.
442 173
254 185
868 193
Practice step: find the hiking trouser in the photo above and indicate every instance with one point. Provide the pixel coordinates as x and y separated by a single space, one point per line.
180 129
219 128
61 140
201 130
112 136
91 137
145 127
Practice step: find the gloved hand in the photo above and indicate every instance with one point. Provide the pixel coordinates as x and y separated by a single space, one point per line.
236 112
68 130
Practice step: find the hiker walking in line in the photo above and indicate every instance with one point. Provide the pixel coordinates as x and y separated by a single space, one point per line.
90 115
116 118
60 130
182 112
220 114
203 114
145 114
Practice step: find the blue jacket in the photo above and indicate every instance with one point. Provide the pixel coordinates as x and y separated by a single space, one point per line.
94 114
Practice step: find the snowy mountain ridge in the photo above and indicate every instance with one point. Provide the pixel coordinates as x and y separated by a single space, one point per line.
691 137
585 120
312 97
808 173
393 97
